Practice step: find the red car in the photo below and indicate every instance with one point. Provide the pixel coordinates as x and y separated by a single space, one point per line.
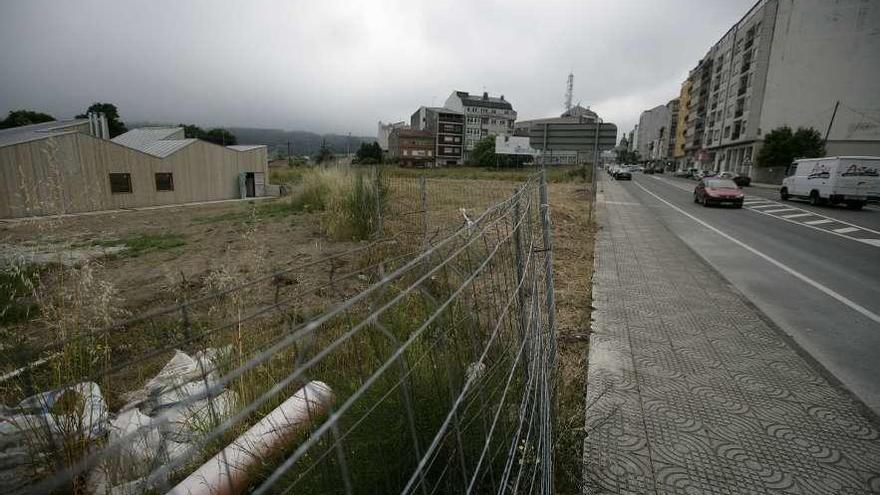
724 192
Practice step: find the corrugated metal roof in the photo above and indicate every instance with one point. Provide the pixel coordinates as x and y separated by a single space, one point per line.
144 137
246 147
33 132
165 147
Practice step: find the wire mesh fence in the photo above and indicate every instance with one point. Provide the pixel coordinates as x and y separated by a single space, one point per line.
421 361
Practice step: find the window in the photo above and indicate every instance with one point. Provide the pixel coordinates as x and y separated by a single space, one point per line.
164 181
120 183
726 131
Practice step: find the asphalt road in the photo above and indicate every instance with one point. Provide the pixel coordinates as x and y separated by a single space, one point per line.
815 272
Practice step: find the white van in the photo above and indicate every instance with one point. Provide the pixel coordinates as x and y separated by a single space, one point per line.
851 180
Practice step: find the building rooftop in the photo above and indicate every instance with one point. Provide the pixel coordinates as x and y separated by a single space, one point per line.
483 101
143 137
245 147
33 132
165 147
444 110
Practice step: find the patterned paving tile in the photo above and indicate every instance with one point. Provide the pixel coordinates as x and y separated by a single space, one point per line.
691 392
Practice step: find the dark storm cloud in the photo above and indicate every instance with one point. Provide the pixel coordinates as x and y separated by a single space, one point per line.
341 66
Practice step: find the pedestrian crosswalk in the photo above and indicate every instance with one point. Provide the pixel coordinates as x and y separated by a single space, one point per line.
811 219
807 218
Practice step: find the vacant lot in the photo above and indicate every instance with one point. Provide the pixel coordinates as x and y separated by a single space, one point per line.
142 260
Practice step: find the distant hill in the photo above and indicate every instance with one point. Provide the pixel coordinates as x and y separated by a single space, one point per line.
301 142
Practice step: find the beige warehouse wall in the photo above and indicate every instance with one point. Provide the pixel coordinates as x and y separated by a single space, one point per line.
70 174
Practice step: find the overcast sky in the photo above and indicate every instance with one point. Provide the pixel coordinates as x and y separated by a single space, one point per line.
329 66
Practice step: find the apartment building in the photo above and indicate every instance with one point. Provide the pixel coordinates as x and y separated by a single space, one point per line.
385 131
684 102
668 133
412 147
447 127
785 63
652 126
484 116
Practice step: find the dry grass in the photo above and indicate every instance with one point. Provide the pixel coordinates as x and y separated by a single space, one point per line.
573 267
326 206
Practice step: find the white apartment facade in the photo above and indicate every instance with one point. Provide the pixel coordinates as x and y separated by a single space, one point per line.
789 63
484 116
652 124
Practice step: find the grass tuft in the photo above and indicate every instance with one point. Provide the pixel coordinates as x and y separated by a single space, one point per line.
140 244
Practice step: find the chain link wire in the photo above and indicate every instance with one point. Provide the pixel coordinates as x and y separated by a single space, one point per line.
434 341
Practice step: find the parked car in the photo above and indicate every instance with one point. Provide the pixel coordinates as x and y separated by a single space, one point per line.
850 180
723 192
742 180
623 174
682 173
725 175
649 171
705 174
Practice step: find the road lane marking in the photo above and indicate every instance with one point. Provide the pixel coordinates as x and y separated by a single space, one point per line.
845 230
819 222
800 215
759 208
873 242
791 271
780 210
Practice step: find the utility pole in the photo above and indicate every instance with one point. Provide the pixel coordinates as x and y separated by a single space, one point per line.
830 123
288 149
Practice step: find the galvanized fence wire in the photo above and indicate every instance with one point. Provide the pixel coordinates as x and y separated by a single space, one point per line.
439 362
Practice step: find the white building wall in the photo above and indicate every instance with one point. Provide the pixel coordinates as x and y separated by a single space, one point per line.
650 123
822 52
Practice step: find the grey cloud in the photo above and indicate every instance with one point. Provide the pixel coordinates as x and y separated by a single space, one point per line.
341 66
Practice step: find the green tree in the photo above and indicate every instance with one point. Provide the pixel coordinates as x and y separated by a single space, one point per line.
782 146
483 154
19 118
215 135
369 154
324 153
220 136
114 125
192 131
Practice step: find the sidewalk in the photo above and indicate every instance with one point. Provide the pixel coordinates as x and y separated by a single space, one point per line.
691 391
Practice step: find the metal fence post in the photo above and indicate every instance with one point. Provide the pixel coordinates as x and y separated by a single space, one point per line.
548 260
423 196
378 194
520 277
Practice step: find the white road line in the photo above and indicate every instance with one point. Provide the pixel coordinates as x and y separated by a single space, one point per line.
873 242
845 230
757 209
780 210
673 184
819 222
801 215
791 271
